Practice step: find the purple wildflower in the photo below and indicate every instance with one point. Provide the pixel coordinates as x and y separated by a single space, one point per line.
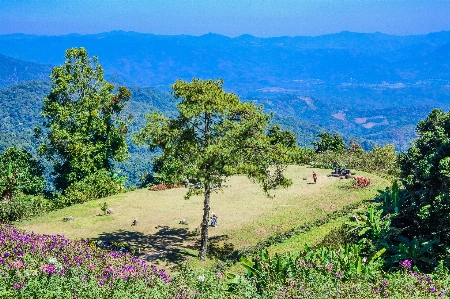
49 269
406 264
18 285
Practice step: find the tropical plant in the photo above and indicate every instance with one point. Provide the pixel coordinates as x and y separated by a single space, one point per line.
420 252
393 199
372 227
268 270
214 136
83 128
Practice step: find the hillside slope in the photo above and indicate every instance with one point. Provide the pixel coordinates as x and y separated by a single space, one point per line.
13 71
22 103
371 86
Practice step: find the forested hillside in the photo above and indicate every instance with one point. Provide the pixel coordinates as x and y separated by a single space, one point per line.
22 104
246 62
13 71
382 113
371 86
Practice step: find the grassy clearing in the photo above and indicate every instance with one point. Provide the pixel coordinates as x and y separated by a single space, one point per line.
246 215
310 238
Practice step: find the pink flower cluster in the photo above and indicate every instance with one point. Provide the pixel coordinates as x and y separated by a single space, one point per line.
22 252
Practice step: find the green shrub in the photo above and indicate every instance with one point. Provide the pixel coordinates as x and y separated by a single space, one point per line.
22 207
338 237
19 173
420 252
380 160
98 185
425 173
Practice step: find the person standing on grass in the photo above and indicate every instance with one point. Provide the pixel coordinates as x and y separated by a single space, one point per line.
314 177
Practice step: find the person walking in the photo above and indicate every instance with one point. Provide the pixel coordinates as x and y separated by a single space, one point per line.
315 177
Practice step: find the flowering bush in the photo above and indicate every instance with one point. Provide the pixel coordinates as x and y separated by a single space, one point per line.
32 265
160 187
46 266
361 182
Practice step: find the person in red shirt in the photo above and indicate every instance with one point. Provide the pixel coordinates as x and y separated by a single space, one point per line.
314 177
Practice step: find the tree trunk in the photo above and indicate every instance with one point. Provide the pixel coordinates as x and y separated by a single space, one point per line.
205 224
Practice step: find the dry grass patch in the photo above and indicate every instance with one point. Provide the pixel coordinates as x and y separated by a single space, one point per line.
245 213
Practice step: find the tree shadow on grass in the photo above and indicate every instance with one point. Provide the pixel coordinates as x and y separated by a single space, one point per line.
218 247
169 245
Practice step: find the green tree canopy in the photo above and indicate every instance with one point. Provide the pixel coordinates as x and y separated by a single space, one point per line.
84 131
19 172
329 143
425 172
214 136
284 137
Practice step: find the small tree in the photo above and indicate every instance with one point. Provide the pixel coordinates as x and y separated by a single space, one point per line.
84 131
329 143
284 137
19 172
214 136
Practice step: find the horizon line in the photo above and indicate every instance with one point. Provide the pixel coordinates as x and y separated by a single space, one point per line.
219 34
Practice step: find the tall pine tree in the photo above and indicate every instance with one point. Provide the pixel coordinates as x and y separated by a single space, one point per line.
214 136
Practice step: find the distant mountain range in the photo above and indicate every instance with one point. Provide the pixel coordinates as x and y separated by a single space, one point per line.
247 62
372 86
13 71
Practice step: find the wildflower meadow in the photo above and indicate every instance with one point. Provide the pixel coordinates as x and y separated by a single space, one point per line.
51 266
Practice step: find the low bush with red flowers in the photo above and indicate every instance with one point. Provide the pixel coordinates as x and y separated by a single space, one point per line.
160 187
360 182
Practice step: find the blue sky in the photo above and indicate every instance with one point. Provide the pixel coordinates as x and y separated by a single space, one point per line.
228 17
